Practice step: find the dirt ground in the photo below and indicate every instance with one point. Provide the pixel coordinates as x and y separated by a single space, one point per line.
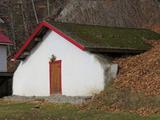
50 99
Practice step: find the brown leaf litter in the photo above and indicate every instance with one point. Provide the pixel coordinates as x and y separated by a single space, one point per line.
141 72
136 88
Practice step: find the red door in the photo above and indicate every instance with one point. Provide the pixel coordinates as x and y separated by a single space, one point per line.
55 77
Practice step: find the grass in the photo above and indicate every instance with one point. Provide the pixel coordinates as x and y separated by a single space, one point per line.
45 111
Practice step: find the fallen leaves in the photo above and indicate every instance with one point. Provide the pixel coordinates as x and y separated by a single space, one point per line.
136 88
141 72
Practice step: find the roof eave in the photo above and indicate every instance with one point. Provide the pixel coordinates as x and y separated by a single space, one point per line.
36 31
6 43
115 50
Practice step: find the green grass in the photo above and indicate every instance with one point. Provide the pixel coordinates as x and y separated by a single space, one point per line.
94 36
29 111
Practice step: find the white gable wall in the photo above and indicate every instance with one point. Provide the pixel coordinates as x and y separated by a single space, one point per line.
82 74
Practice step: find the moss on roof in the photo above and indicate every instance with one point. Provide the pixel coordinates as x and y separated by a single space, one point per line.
94 36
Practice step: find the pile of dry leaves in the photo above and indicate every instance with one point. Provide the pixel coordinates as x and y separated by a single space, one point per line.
141 72
137 86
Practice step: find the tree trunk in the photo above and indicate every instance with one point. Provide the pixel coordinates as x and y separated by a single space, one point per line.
48 8
35 13
24 20
12 24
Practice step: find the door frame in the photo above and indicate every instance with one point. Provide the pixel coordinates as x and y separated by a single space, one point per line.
50 70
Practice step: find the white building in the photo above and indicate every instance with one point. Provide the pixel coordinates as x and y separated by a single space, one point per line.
62 59
4 42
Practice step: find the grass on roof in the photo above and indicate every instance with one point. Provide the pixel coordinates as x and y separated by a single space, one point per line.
94 36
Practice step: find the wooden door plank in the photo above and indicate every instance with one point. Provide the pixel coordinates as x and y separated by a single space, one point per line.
55 79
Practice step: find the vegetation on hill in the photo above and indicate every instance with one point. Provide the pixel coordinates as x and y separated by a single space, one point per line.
20 17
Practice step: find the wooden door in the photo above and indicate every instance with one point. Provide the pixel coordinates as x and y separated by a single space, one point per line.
55 77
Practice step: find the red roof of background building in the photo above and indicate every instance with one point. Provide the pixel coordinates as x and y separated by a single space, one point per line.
5 40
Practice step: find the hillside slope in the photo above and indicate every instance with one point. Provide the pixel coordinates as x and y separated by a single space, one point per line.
137 86
20 19
121 13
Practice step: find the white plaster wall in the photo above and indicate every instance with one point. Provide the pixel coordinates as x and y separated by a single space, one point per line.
3 58
82 74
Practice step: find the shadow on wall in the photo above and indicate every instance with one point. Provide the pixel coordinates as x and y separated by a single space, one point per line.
110 69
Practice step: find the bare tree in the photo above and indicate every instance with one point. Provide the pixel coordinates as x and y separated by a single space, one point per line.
35 13
24 20
48 8
12 24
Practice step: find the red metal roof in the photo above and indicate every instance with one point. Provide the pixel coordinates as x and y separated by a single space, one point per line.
5 40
